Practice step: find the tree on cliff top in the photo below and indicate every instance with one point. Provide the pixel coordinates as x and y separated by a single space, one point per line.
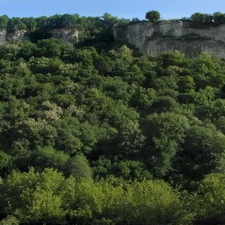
153 16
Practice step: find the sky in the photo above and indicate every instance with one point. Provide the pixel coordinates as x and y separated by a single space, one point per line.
128 9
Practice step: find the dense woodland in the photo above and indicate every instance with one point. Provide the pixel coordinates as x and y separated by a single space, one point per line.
91 134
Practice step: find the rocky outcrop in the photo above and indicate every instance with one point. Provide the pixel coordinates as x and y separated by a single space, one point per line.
67 34
6 37
169 36
3 36
19 35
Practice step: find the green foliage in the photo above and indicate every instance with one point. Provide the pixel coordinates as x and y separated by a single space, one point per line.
30 23
216 18
10 51
165 132
78 167
9 220
50 47
202 152
15 24
153 202
99 124
49 157
153 16
200 18
3 21
34 197
5 161
130 169
48 197
219 18
210 199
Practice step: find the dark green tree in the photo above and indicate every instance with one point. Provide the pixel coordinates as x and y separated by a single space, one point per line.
201 18
15 24
30 23
153 16
219 18
78 167
202 153
164 134
3 21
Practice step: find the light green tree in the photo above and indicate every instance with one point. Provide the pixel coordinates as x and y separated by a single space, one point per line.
210 199
34 197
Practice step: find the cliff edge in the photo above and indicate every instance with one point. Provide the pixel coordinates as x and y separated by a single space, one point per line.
168 36
69 35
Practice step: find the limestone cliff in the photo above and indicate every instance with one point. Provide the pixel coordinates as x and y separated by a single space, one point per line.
6 37
168 36
67 34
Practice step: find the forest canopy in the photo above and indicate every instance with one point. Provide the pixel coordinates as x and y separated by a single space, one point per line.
90 134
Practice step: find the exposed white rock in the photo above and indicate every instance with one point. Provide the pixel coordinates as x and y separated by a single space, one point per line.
67 34
19 35
3 36
169 36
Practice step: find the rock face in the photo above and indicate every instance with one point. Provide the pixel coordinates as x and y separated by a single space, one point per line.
3 36
6 37
67 34
169 36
